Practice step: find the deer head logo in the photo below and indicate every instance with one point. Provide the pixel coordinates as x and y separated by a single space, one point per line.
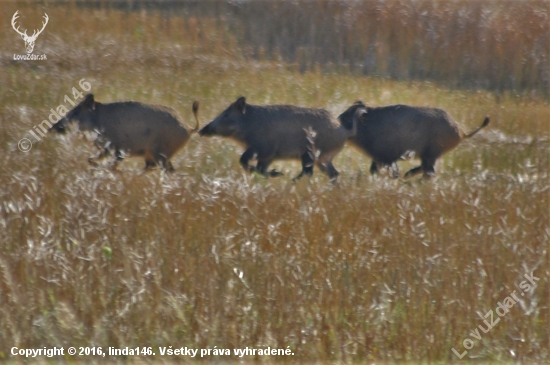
29 40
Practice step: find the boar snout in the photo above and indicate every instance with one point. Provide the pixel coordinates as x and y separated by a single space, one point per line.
206 131
59 127
196 114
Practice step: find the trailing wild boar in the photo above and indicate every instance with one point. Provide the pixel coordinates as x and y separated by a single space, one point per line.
151 131
390 132
273 132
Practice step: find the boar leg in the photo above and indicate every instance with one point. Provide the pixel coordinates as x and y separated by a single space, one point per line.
262 166
428 159
169 166
100 156
329 169
394 170
245 158
414 171
373 168
104 150
149 164
165 163
428 166
427 162
119 156
308 160
100 143
150 161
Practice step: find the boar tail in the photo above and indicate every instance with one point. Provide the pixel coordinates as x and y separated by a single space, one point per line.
196 113
483 125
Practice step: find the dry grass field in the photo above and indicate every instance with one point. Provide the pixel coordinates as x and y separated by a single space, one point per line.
370 269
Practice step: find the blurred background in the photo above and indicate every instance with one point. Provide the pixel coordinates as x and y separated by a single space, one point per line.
495 45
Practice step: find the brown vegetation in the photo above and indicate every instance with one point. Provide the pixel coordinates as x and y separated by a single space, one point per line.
499 45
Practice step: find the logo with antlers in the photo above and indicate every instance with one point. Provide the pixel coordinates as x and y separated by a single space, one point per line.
29 40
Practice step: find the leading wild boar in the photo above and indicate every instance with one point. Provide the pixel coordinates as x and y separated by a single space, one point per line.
390 132
273 132
131 127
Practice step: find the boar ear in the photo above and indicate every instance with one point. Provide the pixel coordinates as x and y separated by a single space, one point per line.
359 115
240 104
359 102
89 101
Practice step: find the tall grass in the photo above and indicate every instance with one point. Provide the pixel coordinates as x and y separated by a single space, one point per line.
497 45
370 269
491 44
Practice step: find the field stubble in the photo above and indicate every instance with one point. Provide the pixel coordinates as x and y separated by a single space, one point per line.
368 269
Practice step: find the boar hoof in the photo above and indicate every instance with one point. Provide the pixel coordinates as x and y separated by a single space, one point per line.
373 168
413 172
395 173
299 177
275 173
169 167
149 165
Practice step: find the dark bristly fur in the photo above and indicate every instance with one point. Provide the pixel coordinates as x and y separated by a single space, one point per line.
130 127
388 133
273 132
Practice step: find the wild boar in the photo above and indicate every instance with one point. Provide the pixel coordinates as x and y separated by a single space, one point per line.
131 127
388 133
273 132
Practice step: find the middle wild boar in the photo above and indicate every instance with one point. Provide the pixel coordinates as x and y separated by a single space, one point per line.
131 127
271 132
